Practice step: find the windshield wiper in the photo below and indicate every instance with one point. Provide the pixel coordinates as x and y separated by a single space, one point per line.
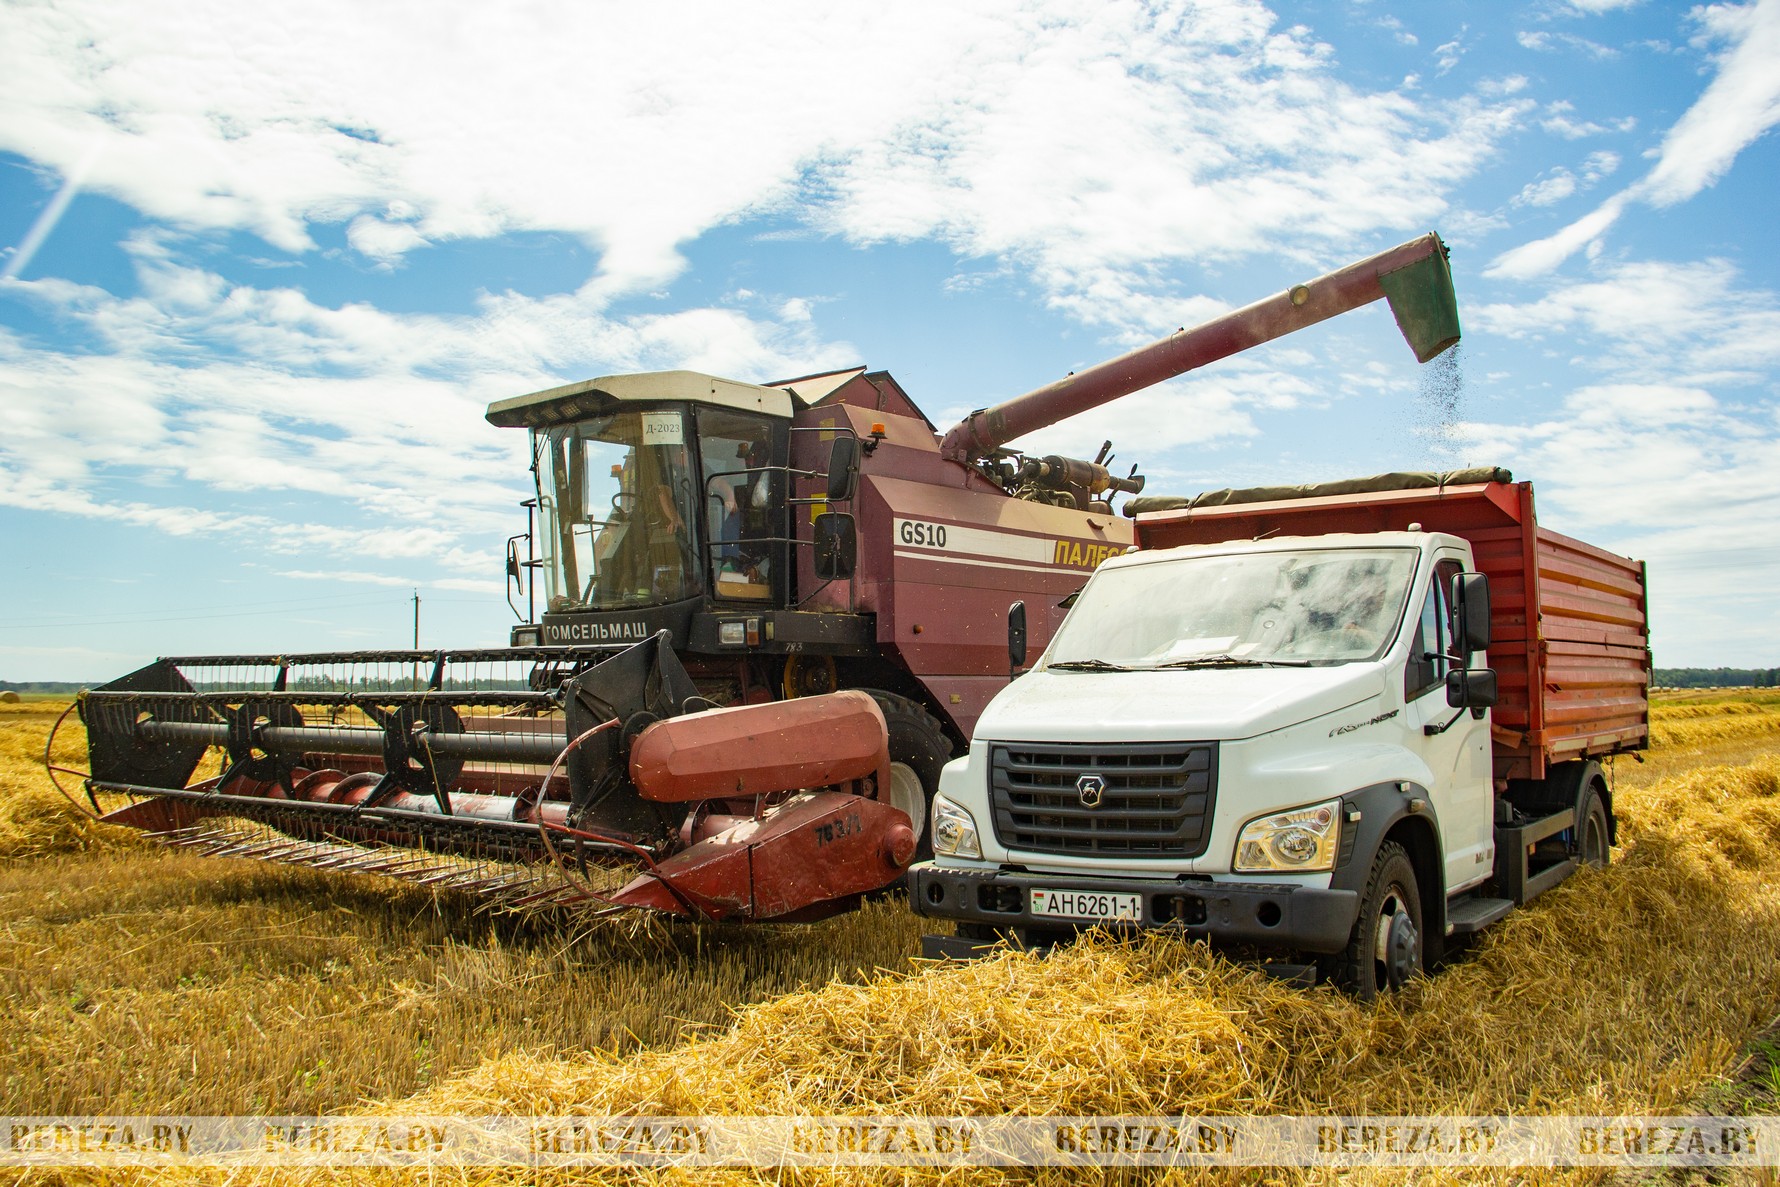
1087 665
1233 661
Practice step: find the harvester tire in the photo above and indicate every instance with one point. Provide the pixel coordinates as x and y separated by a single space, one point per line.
918 749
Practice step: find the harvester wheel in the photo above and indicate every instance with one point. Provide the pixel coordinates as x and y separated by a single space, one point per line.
809 676
918 749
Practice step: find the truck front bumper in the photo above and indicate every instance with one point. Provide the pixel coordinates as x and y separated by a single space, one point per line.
1286 916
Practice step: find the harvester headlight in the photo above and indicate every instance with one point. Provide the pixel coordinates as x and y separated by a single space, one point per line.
954 830
528 636
1300 840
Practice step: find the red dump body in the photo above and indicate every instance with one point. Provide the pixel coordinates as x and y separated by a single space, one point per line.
1570 634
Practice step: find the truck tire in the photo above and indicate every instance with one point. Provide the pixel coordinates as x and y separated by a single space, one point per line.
918 749
1593 833
1385 951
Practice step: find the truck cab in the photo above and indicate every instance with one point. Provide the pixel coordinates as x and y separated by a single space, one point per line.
1283 743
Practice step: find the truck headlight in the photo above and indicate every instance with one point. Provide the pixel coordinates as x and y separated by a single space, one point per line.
954 830
1300 840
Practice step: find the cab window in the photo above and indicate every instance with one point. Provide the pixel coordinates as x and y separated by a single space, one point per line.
1430 654
742 507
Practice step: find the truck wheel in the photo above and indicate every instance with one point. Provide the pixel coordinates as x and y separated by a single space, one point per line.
1592 837
918 749
1386 948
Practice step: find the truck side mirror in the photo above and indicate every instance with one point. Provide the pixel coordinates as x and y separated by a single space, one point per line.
1471 594
1471 688
1016 638
837 545
843 468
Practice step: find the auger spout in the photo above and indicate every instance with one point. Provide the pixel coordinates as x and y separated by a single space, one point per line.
1413 277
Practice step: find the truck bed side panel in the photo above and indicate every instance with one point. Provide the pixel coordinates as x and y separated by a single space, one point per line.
1595 646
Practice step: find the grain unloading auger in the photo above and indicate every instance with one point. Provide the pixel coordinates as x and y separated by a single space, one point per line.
771 614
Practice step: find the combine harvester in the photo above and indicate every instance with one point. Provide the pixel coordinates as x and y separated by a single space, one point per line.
738 698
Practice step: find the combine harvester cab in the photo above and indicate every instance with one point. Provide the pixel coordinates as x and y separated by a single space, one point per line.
532 776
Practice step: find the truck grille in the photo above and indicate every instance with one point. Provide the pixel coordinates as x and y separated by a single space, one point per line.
1156 800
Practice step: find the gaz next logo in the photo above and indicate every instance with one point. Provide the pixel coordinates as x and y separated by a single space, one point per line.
968 545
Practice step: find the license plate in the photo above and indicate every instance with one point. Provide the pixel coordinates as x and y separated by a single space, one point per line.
1093 905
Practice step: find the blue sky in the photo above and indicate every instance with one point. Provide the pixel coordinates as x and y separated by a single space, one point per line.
261 270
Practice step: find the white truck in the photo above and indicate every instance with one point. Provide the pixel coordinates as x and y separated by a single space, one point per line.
1334 725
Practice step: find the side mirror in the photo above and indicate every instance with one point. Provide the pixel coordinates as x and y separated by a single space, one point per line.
513 569
1471 688
1471 595
837 545
843 468
1016 638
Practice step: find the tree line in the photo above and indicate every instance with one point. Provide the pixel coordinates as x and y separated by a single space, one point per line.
1716 677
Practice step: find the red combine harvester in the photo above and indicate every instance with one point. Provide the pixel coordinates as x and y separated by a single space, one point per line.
771 613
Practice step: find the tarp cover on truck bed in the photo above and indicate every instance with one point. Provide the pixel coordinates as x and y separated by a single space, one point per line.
1398 480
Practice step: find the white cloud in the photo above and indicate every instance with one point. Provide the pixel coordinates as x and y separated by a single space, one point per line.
1447 55
1686 323
1657 461
1542 255
1599 164
217 402
1559 122
1740 104
1513 84
1672 476
1559 184
384 242
1397 30
1001 130
1543 41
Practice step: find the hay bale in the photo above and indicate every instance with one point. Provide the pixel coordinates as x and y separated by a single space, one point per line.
9 697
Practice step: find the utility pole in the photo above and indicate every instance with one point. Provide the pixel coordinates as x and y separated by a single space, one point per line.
416 676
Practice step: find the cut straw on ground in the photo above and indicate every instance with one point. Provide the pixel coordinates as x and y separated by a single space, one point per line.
1624 990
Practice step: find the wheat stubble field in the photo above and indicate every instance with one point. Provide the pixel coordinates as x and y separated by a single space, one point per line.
142 981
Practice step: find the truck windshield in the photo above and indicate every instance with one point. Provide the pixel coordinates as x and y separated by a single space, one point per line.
1326 606
618 505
